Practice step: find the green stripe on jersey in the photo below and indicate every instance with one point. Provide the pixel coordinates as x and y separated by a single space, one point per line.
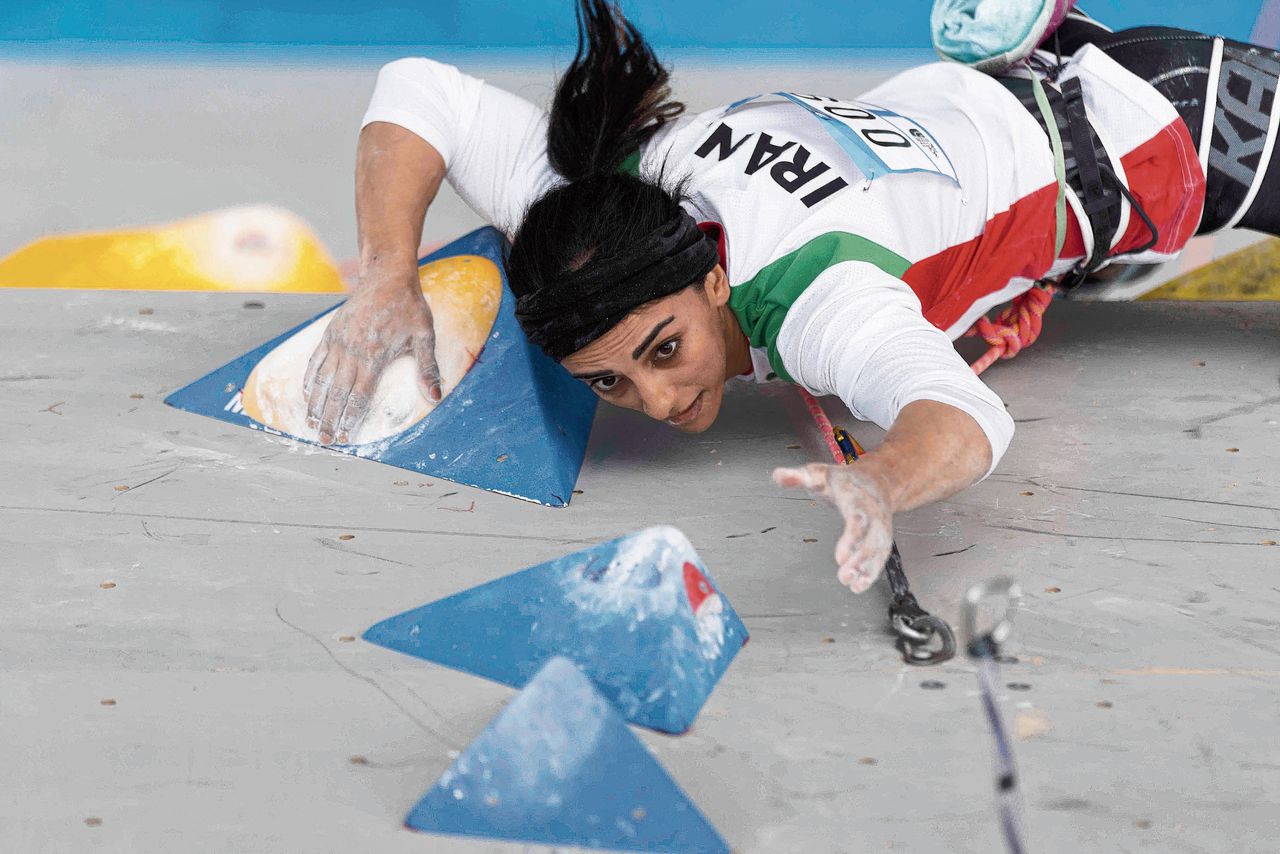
761 304
630 165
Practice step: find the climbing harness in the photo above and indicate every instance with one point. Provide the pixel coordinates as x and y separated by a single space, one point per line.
983 646
1081 164
923 638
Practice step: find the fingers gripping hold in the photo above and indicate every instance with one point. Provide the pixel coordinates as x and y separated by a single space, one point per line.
336 400
318 381
313 366
424 351
384 319
357 405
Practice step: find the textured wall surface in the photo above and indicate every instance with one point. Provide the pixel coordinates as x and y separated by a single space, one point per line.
182 670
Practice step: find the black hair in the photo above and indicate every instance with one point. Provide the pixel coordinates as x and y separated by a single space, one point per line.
613 98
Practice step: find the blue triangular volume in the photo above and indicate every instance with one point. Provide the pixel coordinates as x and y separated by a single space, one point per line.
558 766
517 423
640 616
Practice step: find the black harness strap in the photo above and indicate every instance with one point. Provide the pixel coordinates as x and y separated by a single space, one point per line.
1089 171
1101 204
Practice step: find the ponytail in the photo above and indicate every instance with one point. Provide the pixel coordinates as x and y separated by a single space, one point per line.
603 243
611 99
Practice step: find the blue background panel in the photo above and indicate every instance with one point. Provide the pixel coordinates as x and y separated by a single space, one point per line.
539 23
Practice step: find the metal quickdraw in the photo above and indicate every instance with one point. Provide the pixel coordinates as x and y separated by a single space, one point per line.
983 646
923 638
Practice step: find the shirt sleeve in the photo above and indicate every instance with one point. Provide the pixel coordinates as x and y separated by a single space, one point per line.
494 144
859 333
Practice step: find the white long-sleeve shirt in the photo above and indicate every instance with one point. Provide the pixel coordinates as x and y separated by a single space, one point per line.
859 237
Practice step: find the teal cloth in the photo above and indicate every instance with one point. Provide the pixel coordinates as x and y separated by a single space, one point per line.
985 32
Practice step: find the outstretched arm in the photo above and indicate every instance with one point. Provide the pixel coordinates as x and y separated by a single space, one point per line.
858 332
933 451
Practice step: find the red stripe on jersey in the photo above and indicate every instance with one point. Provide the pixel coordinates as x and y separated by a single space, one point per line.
1015 243
1165 177
1073 246
1163 174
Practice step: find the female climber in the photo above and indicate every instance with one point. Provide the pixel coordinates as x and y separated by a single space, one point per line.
838 244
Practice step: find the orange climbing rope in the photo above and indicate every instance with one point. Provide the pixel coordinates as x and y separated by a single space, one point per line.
824 424
1014 328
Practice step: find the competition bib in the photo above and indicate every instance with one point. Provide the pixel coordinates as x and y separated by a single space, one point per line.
878 141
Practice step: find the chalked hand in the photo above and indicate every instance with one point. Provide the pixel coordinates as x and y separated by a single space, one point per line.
385 318
864 546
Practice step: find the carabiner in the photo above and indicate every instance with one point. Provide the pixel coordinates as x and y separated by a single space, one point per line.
917 633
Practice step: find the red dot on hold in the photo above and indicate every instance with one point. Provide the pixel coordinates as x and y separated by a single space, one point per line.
696 586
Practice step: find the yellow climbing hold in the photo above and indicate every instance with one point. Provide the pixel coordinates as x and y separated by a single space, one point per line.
256 249
1252 273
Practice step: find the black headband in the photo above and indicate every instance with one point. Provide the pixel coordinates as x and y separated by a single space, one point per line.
569 312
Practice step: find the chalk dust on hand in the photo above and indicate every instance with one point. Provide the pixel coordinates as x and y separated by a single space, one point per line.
463 292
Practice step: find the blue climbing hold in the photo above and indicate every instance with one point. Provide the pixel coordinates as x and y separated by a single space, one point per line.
558 766
517 423
640 616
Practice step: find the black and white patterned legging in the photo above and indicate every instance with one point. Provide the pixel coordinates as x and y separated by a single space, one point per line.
1197 72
